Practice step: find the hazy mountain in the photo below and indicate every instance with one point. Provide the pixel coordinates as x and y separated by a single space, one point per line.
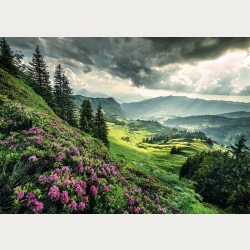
236 114
85 92
110 107
181 106
220 128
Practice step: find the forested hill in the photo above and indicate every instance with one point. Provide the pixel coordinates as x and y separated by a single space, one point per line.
220 128
110 107
236 114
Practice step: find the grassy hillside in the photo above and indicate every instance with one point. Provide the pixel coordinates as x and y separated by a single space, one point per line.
16 89
156 160
126 142
46 166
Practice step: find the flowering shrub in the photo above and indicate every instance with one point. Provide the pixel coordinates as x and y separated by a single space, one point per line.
53 168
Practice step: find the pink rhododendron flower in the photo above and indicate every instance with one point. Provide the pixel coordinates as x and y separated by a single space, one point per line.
24 154
20 195
64 196
59 158
66 182
78 189
72 206
73 183
42 178
57 171
33 158
103 171
54 192
30 195
106 188
137 210
2 119
157 199
39 140
83 183
94 190
38 206
81 206
66 170
10 121
85 199
53 177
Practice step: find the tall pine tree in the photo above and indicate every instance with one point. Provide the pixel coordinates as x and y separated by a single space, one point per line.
100 126
58 82
6 57
86 117
239 147
37 71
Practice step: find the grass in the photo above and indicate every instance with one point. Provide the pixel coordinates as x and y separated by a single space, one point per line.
155 159
152 159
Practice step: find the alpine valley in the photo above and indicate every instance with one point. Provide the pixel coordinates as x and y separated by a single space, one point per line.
62 152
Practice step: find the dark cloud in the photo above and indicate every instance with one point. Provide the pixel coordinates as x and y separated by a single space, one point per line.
245 91
132 58
171 50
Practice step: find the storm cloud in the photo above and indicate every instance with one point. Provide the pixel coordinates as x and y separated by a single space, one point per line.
154 63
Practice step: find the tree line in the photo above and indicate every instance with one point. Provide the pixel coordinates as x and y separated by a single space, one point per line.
60 96
222 178
176 134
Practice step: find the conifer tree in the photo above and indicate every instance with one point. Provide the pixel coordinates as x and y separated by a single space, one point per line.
240 147
100 126
37 71
68 107
58 82
86 117
6 57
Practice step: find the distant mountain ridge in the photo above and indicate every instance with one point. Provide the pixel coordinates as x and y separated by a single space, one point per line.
236 114
110 106
181 106
220 128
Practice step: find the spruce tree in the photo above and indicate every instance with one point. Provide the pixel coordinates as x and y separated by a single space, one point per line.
58 82
100 126
240 147
68 107
86 117
37 71
6 57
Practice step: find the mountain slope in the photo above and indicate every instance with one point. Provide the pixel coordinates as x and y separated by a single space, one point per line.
236 114
110 107
181 106
46 166
220 128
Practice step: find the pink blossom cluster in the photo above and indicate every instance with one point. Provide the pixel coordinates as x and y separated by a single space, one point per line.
106 188
33 158
54 192
94 190
39 140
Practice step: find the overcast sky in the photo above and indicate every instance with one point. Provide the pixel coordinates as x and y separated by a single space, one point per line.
132 69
